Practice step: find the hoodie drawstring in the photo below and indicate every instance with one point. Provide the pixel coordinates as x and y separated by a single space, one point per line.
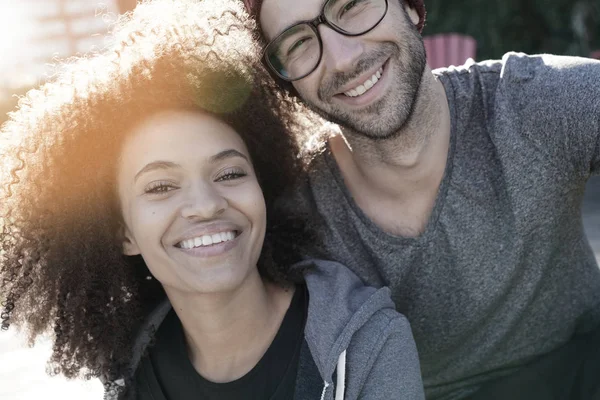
324 390
341 379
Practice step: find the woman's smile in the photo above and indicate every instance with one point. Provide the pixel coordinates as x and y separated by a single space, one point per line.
207 240
210 245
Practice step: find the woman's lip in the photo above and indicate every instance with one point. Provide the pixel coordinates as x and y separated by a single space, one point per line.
211 250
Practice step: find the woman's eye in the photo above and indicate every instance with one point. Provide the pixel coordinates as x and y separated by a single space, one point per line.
231 175
159 188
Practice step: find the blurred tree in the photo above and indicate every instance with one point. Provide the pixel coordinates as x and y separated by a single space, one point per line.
531 26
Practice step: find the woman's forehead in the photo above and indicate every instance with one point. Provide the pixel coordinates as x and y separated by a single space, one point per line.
180 135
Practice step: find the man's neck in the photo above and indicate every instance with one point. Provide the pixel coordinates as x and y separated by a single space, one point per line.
228 333
405 170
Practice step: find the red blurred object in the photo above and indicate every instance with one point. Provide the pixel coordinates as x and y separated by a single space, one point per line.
595 54
448 49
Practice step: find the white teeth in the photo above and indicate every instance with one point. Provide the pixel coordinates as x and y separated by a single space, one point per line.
207 240
368 84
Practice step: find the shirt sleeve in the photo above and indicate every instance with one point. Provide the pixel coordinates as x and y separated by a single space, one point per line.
557 102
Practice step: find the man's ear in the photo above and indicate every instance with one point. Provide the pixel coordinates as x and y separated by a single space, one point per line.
412 14
130 247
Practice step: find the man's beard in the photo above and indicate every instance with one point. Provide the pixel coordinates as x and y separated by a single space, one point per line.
385 118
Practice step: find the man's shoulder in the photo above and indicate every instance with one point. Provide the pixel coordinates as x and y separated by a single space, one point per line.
528 87
554 88
527 66
546 104
545 74
542 70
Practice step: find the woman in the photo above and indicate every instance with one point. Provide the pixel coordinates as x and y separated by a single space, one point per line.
135 227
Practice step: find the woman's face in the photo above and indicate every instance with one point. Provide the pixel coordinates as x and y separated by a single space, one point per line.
191 203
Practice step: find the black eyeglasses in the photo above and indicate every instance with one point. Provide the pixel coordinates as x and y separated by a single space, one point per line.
298 50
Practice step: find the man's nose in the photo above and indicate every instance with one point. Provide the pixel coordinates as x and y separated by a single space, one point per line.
340 52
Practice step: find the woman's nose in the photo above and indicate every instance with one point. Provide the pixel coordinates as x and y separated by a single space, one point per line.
204 202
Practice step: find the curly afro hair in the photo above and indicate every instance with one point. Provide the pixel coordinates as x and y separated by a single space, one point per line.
62 268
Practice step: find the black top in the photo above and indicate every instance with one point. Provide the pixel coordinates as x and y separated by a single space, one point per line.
273 377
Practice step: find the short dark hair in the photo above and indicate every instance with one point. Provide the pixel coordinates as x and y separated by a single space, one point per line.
62 266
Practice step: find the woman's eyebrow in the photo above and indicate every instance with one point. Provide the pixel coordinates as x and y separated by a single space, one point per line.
155 165
225 154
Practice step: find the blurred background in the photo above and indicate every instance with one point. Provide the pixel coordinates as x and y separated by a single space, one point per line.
34 34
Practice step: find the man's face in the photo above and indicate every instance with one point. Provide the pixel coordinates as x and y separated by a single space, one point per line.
391 55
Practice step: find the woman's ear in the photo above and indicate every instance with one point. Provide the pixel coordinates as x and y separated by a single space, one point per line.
130 247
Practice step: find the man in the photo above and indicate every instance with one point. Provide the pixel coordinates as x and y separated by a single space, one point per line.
459 189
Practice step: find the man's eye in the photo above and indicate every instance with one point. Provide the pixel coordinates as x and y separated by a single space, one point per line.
298 44
349 6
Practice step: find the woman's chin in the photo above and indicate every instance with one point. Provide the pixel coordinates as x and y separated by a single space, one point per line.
221 280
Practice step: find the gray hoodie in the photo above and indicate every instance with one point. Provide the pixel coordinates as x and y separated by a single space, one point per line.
356 346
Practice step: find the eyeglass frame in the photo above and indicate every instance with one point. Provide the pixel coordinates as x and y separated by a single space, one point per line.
314 24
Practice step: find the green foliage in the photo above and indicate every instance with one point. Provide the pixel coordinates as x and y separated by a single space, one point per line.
531 26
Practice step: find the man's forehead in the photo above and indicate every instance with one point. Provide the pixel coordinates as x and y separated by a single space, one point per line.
276 15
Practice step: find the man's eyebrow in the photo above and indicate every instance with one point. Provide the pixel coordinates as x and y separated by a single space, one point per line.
299 21
155 165
225 154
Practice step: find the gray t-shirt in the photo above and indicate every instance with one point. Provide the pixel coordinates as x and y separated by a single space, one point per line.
503 272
